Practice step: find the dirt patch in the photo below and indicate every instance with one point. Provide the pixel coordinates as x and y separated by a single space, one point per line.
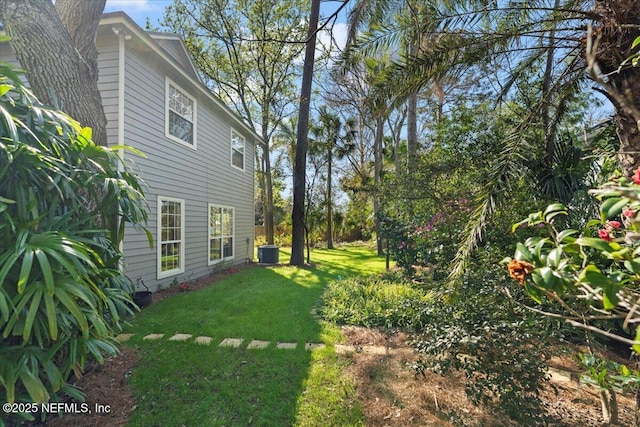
107 390
392 395
202 282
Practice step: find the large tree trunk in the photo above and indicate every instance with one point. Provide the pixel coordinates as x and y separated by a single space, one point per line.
57 49
629 136
329 197
549 133
268 182
612 37
412 130
300 166
377 155
261 182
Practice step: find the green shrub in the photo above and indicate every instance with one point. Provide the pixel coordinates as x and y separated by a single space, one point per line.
501 347
373 301
63 206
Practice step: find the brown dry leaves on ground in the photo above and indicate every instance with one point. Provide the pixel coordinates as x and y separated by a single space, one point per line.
392 395
105 385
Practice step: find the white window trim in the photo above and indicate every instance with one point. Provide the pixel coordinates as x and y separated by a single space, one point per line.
222 259
244 149
180 269
169 82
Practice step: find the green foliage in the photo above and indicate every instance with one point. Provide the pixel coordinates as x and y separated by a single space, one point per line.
427 243
608 375
373 301
501 347
63 207
241 48
599 262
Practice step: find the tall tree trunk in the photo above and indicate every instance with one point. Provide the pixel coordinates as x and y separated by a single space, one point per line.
57 48
412 130
549 133
299 168
605 50
269 227
329 197
412 102
377 174
629 136
268 183
262 184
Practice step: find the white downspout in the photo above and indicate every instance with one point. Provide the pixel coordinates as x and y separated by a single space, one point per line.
120 142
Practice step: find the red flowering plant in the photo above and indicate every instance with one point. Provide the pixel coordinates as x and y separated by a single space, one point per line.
427 241
594 273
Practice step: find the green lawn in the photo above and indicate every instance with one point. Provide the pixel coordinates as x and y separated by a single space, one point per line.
188 384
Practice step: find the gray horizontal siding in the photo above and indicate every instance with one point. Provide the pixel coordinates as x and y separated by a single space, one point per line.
171 169
108 85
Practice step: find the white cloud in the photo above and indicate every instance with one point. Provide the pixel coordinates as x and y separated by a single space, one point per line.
333 38
129 5
139 10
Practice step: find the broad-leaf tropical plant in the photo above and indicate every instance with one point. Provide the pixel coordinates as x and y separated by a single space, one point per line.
64 202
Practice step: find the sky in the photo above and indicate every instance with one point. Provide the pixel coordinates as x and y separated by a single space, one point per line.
140 10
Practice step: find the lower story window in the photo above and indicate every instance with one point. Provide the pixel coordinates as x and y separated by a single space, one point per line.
221 233
170 236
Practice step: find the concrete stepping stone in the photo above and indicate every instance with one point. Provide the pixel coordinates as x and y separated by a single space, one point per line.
344 349
310 346
406 351
373 349
180 337
559 376
287 345
153 337
231 342
257 344
203 340
124 337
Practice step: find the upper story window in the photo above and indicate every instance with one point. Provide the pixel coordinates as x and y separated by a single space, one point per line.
237 150
180 120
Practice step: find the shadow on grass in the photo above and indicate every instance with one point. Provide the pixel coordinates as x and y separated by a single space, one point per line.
183 383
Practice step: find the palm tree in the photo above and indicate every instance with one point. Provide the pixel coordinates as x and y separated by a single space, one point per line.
335 140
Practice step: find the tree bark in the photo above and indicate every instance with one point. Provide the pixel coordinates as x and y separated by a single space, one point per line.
329 196
57 71
268 181
549 133
612 39
609 405
412 130
377 174
299 168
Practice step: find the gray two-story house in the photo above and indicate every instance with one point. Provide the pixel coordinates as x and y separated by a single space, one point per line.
198 167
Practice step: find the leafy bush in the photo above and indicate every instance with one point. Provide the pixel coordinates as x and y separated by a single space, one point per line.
373 301
63 207
427 242
501 347
593 271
